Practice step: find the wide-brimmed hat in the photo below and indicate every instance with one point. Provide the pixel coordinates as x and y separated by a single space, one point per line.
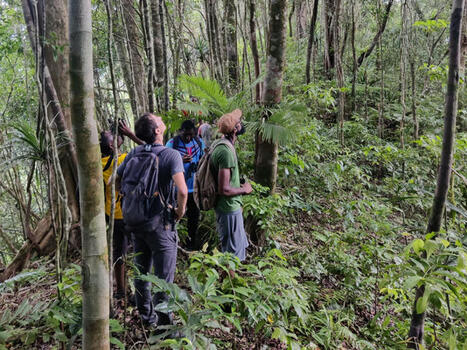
227 122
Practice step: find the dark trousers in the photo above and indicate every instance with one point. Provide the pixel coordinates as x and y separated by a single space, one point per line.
156 249
120 242
192 214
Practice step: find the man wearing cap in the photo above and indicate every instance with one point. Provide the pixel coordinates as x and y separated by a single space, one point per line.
229 202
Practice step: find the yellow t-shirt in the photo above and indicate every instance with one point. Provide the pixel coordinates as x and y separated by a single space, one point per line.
108 195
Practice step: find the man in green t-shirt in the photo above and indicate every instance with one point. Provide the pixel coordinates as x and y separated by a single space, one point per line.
229 202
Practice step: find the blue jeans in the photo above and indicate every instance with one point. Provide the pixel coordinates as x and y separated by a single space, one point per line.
156 249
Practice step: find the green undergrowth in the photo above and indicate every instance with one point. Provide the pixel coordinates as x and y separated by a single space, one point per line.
345 248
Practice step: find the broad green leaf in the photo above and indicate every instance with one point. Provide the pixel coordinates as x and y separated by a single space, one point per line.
430 247
117 342
423 301
411 282
417 245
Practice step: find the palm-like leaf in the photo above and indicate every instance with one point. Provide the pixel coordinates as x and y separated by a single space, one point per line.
281 126
32 147
208 91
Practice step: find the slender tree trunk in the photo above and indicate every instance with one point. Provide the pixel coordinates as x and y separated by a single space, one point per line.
157 36
149 40
292 10
354 57
133 42
266 153
463 125
110 232
328 14
95 267
231 44
434 224
311 39
403 68
376 39
164 57
380 66
254 50
339 71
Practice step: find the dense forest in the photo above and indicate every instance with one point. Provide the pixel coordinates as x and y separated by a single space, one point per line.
355 147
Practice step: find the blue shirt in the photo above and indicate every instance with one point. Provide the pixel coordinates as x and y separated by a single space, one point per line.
193 149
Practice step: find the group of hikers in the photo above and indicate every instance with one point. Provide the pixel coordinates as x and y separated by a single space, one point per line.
156 188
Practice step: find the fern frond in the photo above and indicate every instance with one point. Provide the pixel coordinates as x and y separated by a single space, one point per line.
194 108
282 124
206 90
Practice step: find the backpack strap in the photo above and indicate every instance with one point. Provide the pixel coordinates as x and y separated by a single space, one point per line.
109 162
226 143
198 141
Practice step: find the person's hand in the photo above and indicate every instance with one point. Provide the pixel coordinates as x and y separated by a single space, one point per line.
247 188
187 158
123 128
179 212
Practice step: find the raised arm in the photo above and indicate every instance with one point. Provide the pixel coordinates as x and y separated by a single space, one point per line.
125 130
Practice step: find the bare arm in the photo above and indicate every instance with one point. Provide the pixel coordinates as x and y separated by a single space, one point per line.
225 189
182 194
125 130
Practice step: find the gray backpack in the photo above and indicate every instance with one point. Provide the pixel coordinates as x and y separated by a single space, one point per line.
205 184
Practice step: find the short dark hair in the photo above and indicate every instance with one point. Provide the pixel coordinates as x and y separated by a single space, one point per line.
188 125
145 127
105 140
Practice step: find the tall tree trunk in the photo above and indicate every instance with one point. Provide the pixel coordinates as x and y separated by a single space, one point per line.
231 44
300 15
266 152
157 39
42 237
380 66
339 71
328 13
463 126
378 34
292 10
133 42
165 104
56 35
95 267
149 46
254 50
354 57
434 224
403 68
311 39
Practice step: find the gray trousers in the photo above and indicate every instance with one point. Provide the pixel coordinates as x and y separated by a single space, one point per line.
156 249
232 233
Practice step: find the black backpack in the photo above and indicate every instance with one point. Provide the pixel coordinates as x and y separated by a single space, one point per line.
141 199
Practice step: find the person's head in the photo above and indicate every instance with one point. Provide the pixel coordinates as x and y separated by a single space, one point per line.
230 124
107 143
150 128
187 131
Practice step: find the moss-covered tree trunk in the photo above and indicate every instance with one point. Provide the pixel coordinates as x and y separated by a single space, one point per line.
266 151
450 112
95 268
